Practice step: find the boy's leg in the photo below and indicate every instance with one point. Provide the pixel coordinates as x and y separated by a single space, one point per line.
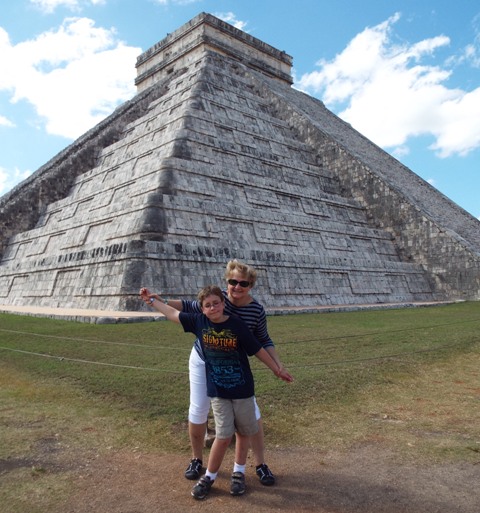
223 412
225 424
237 481
247 426
217 453
242 444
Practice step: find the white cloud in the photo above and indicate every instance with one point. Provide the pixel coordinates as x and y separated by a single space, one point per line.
459 125
401 151
177 2
9 179
472 51
230 17
49 6
5 122
73 76
388 93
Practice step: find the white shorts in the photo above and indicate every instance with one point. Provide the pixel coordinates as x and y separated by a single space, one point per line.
199 400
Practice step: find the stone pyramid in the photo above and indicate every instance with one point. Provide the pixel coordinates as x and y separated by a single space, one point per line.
218 157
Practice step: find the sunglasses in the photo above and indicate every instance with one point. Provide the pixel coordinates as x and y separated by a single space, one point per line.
242 283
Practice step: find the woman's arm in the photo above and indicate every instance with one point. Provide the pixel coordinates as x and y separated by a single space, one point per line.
261 332
274 355
256 319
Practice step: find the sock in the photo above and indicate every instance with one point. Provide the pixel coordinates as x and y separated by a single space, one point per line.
211 475
239 468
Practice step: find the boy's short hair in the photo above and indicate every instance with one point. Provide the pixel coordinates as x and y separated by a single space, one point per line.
210 290
245 269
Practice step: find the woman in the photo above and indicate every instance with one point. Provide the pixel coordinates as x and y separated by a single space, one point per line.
238 301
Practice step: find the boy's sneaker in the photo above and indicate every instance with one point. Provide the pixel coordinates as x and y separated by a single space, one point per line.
201 489
237 484
265 475
194 469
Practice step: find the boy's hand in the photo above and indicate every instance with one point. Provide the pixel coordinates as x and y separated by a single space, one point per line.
285 375
146 295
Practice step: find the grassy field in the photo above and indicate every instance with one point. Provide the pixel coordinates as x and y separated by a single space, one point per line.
406 378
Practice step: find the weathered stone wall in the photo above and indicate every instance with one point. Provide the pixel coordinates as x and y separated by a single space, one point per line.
452 262
21 208
428 228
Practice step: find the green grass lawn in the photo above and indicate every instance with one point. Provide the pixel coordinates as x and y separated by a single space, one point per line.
358 376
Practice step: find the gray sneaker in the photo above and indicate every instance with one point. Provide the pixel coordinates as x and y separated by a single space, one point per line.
201 489
237 484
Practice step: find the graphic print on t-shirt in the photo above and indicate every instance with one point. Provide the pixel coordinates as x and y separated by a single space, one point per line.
221 351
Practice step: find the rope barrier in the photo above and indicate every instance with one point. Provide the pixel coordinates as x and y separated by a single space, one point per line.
373 358
315 365
108 342
372 333
324 339
78 360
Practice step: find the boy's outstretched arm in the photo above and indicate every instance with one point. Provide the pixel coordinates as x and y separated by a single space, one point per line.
146 295
280 372
169 312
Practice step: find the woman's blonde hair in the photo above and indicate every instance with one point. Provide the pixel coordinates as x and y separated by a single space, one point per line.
246 270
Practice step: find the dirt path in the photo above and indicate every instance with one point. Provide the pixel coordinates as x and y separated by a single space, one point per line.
365 481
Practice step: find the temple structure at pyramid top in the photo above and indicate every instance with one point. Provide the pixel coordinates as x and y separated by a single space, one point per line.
203 33
219 157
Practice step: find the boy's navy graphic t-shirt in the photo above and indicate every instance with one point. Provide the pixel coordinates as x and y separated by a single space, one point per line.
226 347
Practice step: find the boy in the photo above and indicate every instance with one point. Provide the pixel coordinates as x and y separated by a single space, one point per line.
226 342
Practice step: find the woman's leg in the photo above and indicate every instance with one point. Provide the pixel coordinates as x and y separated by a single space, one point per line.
196 433
198 411
257 443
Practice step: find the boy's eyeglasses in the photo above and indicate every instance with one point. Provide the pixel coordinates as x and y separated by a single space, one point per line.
242 283
207 306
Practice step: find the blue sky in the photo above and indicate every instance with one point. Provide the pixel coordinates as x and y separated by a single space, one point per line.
406 73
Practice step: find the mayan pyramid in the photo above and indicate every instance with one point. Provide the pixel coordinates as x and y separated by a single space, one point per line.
219 157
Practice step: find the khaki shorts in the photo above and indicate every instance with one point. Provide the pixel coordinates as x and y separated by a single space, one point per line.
234 415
